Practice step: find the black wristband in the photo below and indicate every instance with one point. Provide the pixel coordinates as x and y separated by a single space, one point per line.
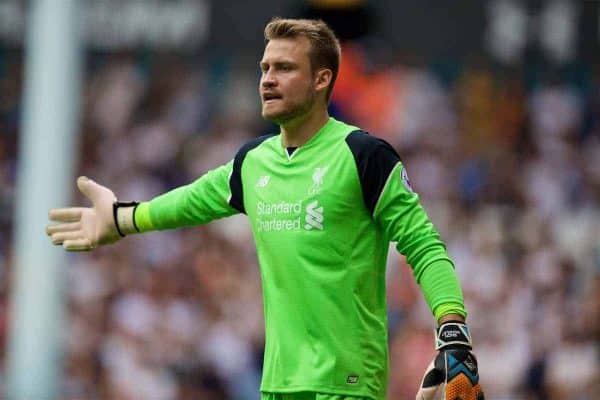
119 204
133 216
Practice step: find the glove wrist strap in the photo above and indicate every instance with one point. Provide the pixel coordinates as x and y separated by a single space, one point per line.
124 216
453 334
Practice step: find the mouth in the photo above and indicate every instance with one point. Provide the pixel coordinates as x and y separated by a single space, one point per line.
270 97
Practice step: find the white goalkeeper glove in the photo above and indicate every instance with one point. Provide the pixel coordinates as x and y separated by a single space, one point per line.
453 373
85 228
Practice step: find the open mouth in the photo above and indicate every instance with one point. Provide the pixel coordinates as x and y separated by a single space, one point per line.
270 96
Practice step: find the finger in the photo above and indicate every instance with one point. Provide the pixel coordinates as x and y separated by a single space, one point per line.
60 237
461 387
81 244
90 189
69 214
71 226
432 393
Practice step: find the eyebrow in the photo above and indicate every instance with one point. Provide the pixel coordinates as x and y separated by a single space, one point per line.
277 63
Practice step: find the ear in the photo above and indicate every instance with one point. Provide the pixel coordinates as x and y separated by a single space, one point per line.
323 78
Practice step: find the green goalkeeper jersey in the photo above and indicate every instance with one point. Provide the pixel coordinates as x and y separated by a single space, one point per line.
322 219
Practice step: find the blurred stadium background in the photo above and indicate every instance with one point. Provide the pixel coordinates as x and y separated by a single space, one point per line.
494 106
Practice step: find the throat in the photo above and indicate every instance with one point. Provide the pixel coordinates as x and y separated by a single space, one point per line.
291 150
299 131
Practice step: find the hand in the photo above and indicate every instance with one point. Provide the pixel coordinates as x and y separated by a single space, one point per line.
453 373
85 228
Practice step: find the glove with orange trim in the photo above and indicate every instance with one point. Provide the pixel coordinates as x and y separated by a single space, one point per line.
453 373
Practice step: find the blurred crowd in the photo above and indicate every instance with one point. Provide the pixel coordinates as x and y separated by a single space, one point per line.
507 164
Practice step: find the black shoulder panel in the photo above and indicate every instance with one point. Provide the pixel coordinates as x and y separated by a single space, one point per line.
235 181
375 158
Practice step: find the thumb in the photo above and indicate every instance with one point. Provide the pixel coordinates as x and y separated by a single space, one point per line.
94 191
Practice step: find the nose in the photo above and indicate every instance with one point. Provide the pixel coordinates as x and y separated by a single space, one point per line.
268 80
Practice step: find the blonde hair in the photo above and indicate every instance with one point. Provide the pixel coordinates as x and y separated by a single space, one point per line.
325 50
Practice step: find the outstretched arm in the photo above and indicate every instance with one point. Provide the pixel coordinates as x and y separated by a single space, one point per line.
107 220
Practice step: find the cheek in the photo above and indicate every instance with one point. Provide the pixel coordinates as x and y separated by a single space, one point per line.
300 88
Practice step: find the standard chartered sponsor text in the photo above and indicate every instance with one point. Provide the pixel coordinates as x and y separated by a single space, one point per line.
269 225
280 208
281 216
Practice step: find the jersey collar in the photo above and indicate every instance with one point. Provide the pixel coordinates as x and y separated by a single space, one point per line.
312 141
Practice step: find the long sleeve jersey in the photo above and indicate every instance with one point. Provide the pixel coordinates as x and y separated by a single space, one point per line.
322 219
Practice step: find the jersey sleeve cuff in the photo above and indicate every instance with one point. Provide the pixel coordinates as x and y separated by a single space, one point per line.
142 218
449 308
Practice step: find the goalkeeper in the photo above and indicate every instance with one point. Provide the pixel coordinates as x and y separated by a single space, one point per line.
324 200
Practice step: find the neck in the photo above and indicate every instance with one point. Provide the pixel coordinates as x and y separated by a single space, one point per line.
297 132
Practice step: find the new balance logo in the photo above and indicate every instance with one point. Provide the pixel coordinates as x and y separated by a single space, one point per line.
263 181
314 216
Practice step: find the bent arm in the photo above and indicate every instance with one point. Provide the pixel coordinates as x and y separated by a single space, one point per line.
405 221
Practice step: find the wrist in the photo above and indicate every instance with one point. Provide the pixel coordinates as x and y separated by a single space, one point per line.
453 334
124 217
451 318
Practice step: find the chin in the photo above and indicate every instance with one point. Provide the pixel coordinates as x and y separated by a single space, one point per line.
275 117
282 115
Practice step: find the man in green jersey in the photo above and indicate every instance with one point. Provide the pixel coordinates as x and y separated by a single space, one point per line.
324 200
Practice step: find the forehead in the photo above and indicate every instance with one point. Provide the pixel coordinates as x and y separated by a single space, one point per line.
291 49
